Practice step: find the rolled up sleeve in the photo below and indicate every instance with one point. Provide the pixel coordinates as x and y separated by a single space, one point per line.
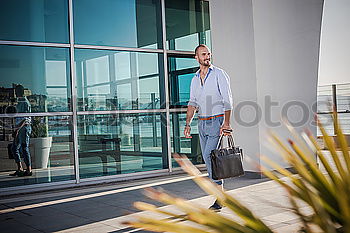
225 90
192 101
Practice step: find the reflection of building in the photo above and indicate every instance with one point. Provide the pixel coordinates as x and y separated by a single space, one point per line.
115 96
7 96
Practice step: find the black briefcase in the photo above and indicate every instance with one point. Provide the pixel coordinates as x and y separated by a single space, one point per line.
226 162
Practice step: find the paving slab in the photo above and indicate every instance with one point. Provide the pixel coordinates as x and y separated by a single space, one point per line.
53 223
105 209
12 226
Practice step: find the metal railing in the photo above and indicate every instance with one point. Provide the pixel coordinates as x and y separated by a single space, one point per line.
334 97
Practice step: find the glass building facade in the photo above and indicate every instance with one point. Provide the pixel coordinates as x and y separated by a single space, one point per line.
107 82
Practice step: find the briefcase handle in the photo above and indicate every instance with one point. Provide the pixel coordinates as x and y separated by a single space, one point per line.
230 139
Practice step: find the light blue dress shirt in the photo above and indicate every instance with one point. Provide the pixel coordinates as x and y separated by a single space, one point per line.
214 96
23 106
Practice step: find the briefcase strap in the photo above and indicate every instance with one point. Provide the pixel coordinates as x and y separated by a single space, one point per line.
230 139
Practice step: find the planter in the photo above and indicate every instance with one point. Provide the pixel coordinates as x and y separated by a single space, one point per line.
40 151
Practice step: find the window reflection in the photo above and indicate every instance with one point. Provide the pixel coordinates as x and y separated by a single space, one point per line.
123 143
187 23
44 74
181 145
50 150
32 20
123 23
181 72
113 80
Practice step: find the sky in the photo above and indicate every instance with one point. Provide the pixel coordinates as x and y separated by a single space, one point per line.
335 43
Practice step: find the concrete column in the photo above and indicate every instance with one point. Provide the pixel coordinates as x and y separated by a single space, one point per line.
270 49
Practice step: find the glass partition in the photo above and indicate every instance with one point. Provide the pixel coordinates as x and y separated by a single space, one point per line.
42 73
36 78
343 97
181 145
121 143
181 72
187 23
115 80
33 20
46 142
122 23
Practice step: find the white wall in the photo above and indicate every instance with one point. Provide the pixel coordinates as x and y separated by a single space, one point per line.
233 50
270 49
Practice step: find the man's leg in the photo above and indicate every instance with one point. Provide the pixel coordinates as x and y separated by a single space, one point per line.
205 141
212 142
16 155
26 130
212 130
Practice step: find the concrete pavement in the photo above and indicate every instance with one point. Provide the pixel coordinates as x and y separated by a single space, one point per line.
103 208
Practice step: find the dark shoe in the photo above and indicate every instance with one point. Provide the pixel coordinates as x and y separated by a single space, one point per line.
27 173
17 173
216 206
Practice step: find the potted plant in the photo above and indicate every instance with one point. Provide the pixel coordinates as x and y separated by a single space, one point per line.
40 142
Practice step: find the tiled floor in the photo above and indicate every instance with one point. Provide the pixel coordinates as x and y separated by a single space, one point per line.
104 208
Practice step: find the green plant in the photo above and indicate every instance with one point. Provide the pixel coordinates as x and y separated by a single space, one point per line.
39 127
326 193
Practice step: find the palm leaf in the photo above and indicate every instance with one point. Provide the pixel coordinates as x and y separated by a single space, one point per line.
325 193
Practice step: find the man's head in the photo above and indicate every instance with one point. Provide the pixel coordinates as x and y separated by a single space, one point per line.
203 55
19 90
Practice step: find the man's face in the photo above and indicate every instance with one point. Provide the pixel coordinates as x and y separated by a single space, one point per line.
203 56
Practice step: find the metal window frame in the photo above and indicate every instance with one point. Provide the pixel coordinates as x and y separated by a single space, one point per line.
74 113
73 91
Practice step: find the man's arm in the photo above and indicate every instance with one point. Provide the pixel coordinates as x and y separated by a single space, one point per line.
191 109
189 116
227 124
225 90
190 113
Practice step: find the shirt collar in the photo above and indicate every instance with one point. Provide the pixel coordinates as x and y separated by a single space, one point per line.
209 69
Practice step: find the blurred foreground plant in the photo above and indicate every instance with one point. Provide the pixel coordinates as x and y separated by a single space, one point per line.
327 193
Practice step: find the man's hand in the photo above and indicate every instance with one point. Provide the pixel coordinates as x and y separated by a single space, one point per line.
225 129
187 131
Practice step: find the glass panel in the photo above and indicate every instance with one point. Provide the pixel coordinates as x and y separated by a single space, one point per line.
113 80
324 98
50 146
324 105
187 146
344 119
123 143
33 20
327 122
343 107
123 23
43 73
181 72
187 23
343 98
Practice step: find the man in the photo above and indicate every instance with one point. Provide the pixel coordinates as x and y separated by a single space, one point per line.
211 94
22 135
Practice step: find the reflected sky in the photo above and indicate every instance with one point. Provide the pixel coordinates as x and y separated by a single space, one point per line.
124 23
